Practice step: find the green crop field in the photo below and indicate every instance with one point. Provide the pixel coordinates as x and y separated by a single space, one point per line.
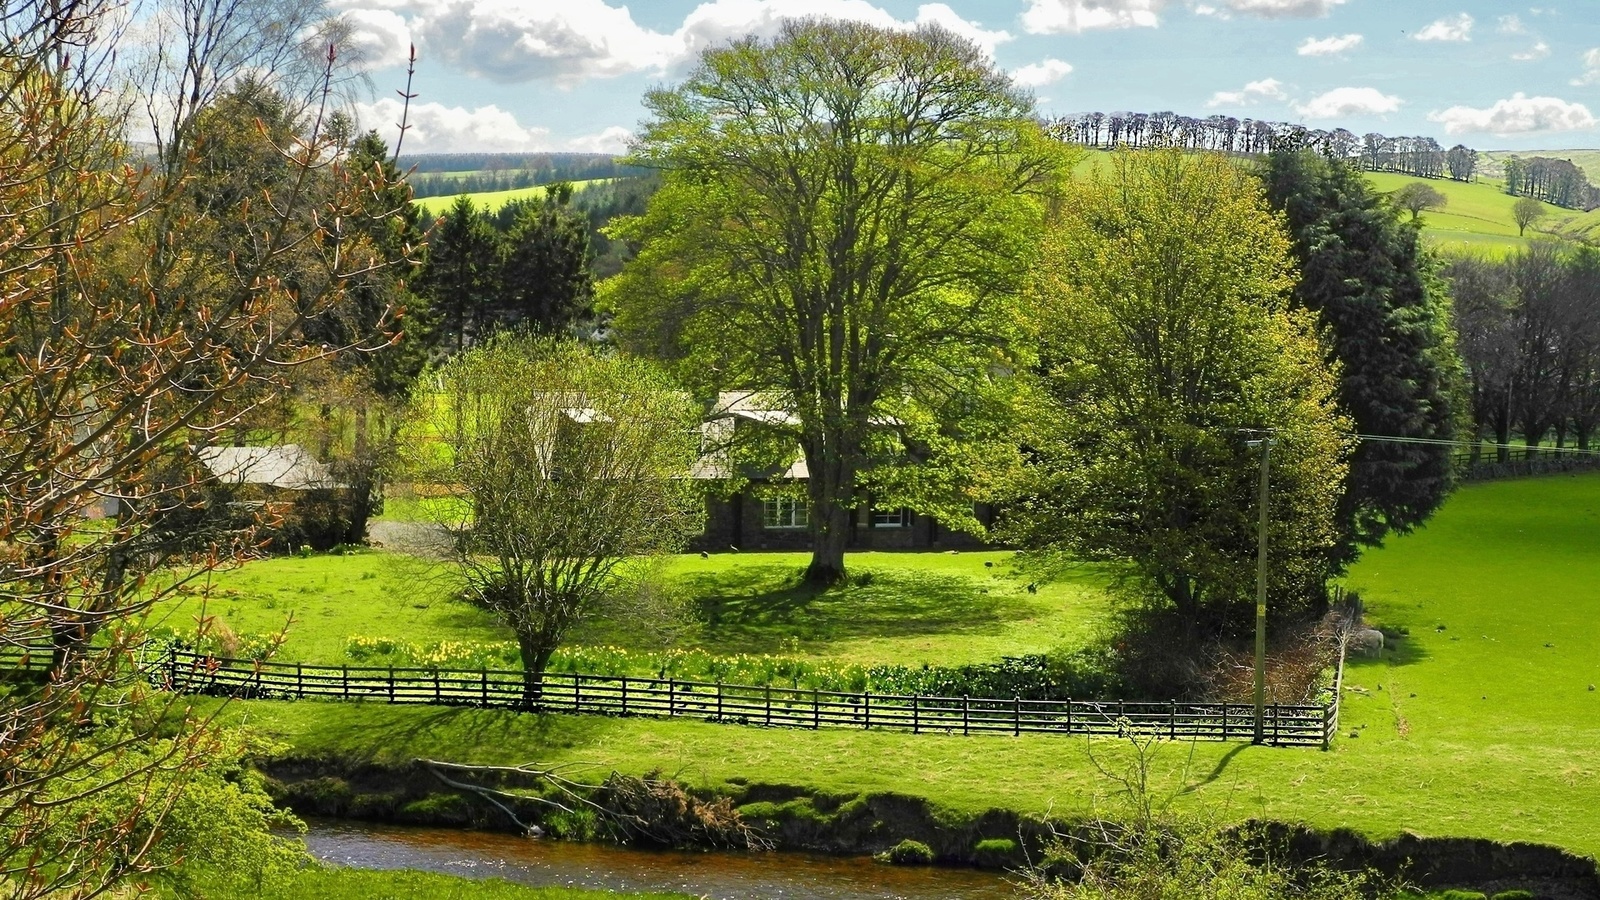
493 200
1480 723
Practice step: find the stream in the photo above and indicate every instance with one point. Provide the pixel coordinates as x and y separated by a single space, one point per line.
718 876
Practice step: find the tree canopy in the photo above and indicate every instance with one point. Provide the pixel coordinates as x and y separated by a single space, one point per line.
845 215
1161 309
1367 278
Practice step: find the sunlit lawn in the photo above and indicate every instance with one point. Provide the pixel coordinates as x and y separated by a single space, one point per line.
1477 728
897 607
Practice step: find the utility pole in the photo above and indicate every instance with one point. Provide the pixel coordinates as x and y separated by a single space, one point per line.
1265 443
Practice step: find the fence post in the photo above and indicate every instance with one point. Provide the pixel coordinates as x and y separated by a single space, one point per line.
914 724
671 694
299 680
1276 709
719 700
866 702
437 696
1172 721
344 681
964 713
816 710
624 695
391 684
1016 715
172 667
1069 715
769 706
577 692
483 686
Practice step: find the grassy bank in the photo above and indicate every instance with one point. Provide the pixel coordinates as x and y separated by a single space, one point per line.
1480 723
335 883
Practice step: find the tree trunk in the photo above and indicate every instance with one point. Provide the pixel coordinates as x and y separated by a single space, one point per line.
830 534
536 654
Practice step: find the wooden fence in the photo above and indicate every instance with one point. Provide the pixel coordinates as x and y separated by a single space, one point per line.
1486 465
1285 725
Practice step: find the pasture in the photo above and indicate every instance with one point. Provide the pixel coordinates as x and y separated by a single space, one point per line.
493 200
1478 722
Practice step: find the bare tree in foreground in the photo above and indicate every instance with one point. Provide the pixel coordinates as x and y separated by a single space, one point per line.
124 339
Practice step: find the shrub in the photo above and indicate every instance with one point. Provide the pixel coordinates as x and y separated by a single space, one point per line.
1461 895
910 853
1518 894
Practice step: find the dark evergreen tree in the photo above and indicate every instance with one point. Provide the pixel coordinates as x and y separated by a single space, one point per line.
1368 279
462 272
546 282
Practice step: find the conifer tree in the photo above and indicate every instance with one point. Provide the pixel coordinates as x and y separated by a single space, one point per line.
546 284
1367 277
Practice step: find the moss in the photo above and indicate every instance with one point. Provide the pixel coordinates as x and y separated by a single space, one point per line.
995 853
440 809
910 853
1513 895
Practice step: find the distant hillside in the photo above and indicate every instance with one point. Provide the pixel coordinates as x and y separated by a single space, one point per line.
1491 163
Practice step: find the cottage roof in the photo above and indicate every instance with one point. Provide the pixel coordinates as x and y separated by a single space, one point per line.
288 466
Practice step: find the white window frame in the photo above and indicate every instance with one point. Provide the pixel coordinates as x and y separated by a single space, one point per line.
891 518
785 514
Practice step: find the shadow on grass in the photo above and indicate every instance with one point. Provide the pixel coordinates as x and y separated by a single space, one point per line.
1396 652
763 609
380 733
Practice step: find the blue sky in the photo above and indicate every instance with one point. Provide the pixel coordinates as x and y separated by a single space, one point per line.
511 75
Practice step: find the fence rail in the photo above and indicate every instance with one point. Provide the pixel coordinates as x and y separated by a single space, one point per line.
1487 464
1286 725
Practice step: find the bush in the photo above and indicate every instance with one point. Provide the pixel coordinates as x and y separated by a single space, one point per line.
1460 895
1513 895
910 853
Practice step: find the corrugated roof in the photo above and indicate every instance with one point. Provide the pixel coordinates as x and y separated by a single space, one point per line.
288 466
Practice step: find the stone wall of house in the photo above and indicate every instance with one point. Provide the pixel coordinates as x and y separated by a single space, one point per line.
738 523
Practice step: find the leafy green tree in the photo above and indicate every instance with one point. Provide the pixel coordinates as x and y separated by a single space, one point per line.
1368 280
1161 308
546 283
461 275
573 463
1417 196
1525 212
845 216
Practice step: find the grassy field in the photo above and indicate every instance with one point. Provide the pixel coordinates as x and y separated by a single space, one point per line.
1491 162
493 200
1480 723
905 608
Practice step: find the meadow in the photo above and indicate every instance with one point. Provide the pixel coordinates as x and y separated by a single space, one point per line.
493 200
1481 721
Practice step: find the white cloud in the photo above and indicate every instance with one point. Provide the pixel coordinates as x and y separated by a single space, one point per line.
1520 114
1510 25
1458 28
436 128
1345 102
1078 16
1040 74
612 140
1537 51
381 37
718 21
1329 46
569 41
1284 9
1252 93
1591 69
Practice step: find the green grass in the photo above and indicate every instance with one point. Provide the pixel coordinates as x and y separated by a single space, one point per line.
1491 163
899 608
493 200
335 883
1478 215
1478 730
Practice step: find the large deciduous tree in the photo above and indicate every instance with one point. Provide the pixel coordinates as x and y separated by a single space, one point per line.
846 212
1366 277
1165 329
574 462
